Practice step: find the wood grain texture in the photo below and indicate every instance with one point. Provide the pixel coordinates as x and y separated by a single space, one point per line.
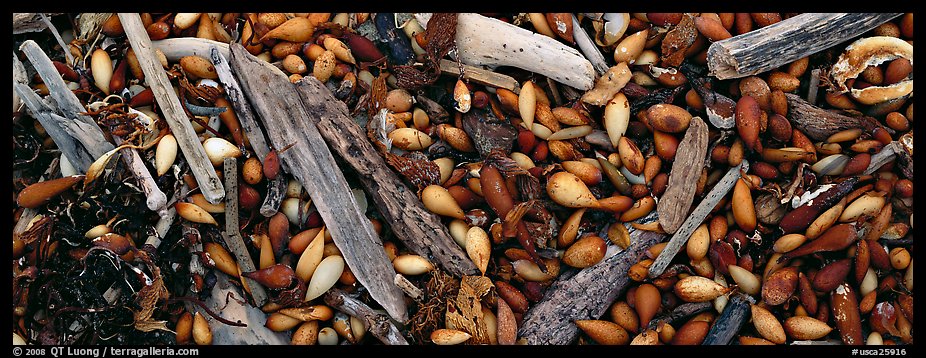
378 324
694 220
480 76
194 153
786 41
310 161
242 108
735 314
419 229
484 41
683 179
818 123
233 239
586 295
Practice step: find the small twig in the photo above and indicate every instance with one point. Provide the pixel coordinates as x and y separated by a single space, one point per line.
206 309
410 289
814 86
276 192
735 314
54 32
588 47
886 155
697 216
155 198
480 76
232 237
379 324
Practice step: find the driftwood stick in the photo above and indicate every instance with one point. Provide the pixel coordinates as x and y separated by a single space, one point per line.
588 47
57 128
311 162
735 314
378 324
54 32
677 199
419 229
814 87
82 127
175 48
276 192
697 216
232 236
818 123
786 41
484 41
408 287
154 197
27 22
226 298
242 109
886 155
209 183
161 227
681 311
480 76
587 295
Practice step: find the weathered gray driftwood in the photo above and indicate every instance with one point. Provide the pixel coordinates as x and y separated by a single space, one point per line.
484 41
587 295
155 199
791 39
696 218
209 183
233 239
735 314
480 76
419 229
239 103
818 123
57 127
287 122
378 324
588 47
175 48
686 168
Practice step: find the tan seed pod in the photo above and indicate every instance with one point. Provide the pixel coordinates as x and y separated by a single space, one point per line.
462 97
527 104
866 205
447 337
825 220
311 257
101 66
325 276
646 338
699 289
529 271
569 116
691 333
699 243
439 201
767 325
456 137
622 314
340 50
279 322
570 229
747 281
198 67
297 29
607 86
327 337
806 328
604 332
630 47
222 259
202 334
478 247
217 149
194 213
507 325
744 211
585 252
165 154
39 193
324 66
568 190
309 313
631 157
647 301
306 334
294 64
412 264
410 139
200 201
753 341
184 328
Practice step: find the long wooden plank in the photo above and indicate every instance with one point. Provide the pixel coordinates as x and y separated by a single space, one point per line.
311 162
180 126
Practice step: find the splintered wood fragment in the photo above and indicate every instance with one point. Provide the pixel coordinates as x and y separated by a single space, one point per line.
57 127
27 22
484 41
586 295
81 127
232 236
814 88
480 76
419 229
242 108
161 227
588 47
695 219
154 197
175 48
209 183
285 118
276 192
774 46
884 156
379 325
686 169
408 287
735 314
818 123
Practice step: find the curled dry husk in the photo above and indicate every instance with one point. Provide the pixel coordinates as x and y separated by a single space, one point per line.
872 51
